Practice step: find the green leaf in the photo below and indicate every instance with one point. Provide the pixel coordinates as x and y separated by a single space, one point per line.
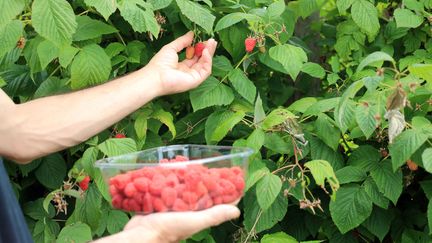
210 93
9 10
365 117
140 16
276 117
429 216
276 9
88 209
66 54
313 69
405 145
117 146
322 106
291 57
116 221
91 66
389 183
51 86
259 113
47 52
35 209
365 157
242 85
344 112
375 195
327 131
279 237
350 174
9 35
267 190
423 71
427 188
254 177
219 123
373 58
275 143
54 20
365 15
232 19
51 171
105 8
78 232
302 104
322 171
45 230
343 5
87 160
256 139
167 119
307 7
140 125
351 207
89 28
160 4
320 151
197 14
427 159
407 18
268 218
379 222
114 48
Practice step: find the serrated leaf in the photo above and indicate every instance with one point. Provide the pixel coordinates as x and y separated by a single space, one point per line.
276 117
320 151
160 4
429 216
167 119
350 174
47 52
254 177
35 209
372 58
210 93
51 171
89 28
351 207
322 106
197 14
9 35
375 195
90 67
139 14
117 146
389 183
279 237
66 54
379 222
232 19
267 190
365 157
423 71
51 86
242 84
220 123
54 20
343 5
140 125
291 57
322 171
405 145
259 113
327 131
104 7
427 159
276 9
9 10
256 140
88 208
313 69
302 104
77 232
275 143
345 110
365 15
405 18
116 221
365 117
307 7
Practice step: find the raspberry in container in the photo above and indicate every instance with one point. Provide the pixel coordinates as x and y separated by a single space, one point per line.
176 178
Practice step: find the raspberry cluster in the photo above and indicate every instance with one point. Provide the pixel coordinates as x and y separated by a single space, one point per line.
162 189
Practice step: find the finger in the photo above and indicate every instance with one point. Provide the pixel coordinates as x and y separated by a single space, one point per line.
210 45
181 42
204 65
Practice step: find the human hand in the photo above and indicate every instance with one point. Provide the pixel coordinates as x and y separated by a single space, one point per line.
174 76
172 226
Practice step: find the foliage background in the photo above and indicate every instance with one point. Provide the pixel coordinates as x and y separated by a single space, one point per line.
314 105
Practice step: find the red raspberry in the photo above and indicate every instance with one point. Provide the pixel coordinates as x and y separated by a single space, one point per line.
159 205
84 183
120 135
210 182
237 170
190 51
134 206
226 173
204 202
239 183
172 180
149 172
180 158
199 47
198 168
125 204
120 181
147 203
250 43
168 196
181 174
189 197
130 190
157 184
117 201
180 205
217 200
180 188
142 184
218 191
164 161
227 186
229 198
192 178
113 190
201 190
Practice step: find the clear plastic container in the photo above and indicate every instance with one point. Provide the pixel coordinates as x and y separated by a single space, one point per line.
176 177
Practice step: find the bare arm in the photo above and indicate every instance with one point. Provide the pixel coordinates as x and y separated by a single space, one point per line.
43 126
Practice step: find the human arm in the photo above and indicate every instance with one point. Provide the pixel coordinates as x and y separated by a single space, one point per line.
171 227
46 125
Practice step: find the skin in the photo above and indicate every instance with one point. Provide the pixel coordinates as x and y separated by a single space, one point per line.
46 125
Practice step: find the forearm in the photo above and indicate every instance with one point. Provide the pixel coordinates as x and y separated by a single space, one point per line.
50 124
135 235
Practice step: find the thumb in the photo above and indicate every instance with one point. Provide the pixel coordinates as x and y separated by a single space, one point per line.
181 42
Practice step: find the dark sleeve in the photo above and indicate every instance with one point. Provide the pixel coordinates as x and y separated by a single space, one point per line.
13 226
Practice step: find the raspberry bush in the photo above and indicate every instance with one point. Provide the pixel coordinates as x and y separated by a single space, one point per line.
334 97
